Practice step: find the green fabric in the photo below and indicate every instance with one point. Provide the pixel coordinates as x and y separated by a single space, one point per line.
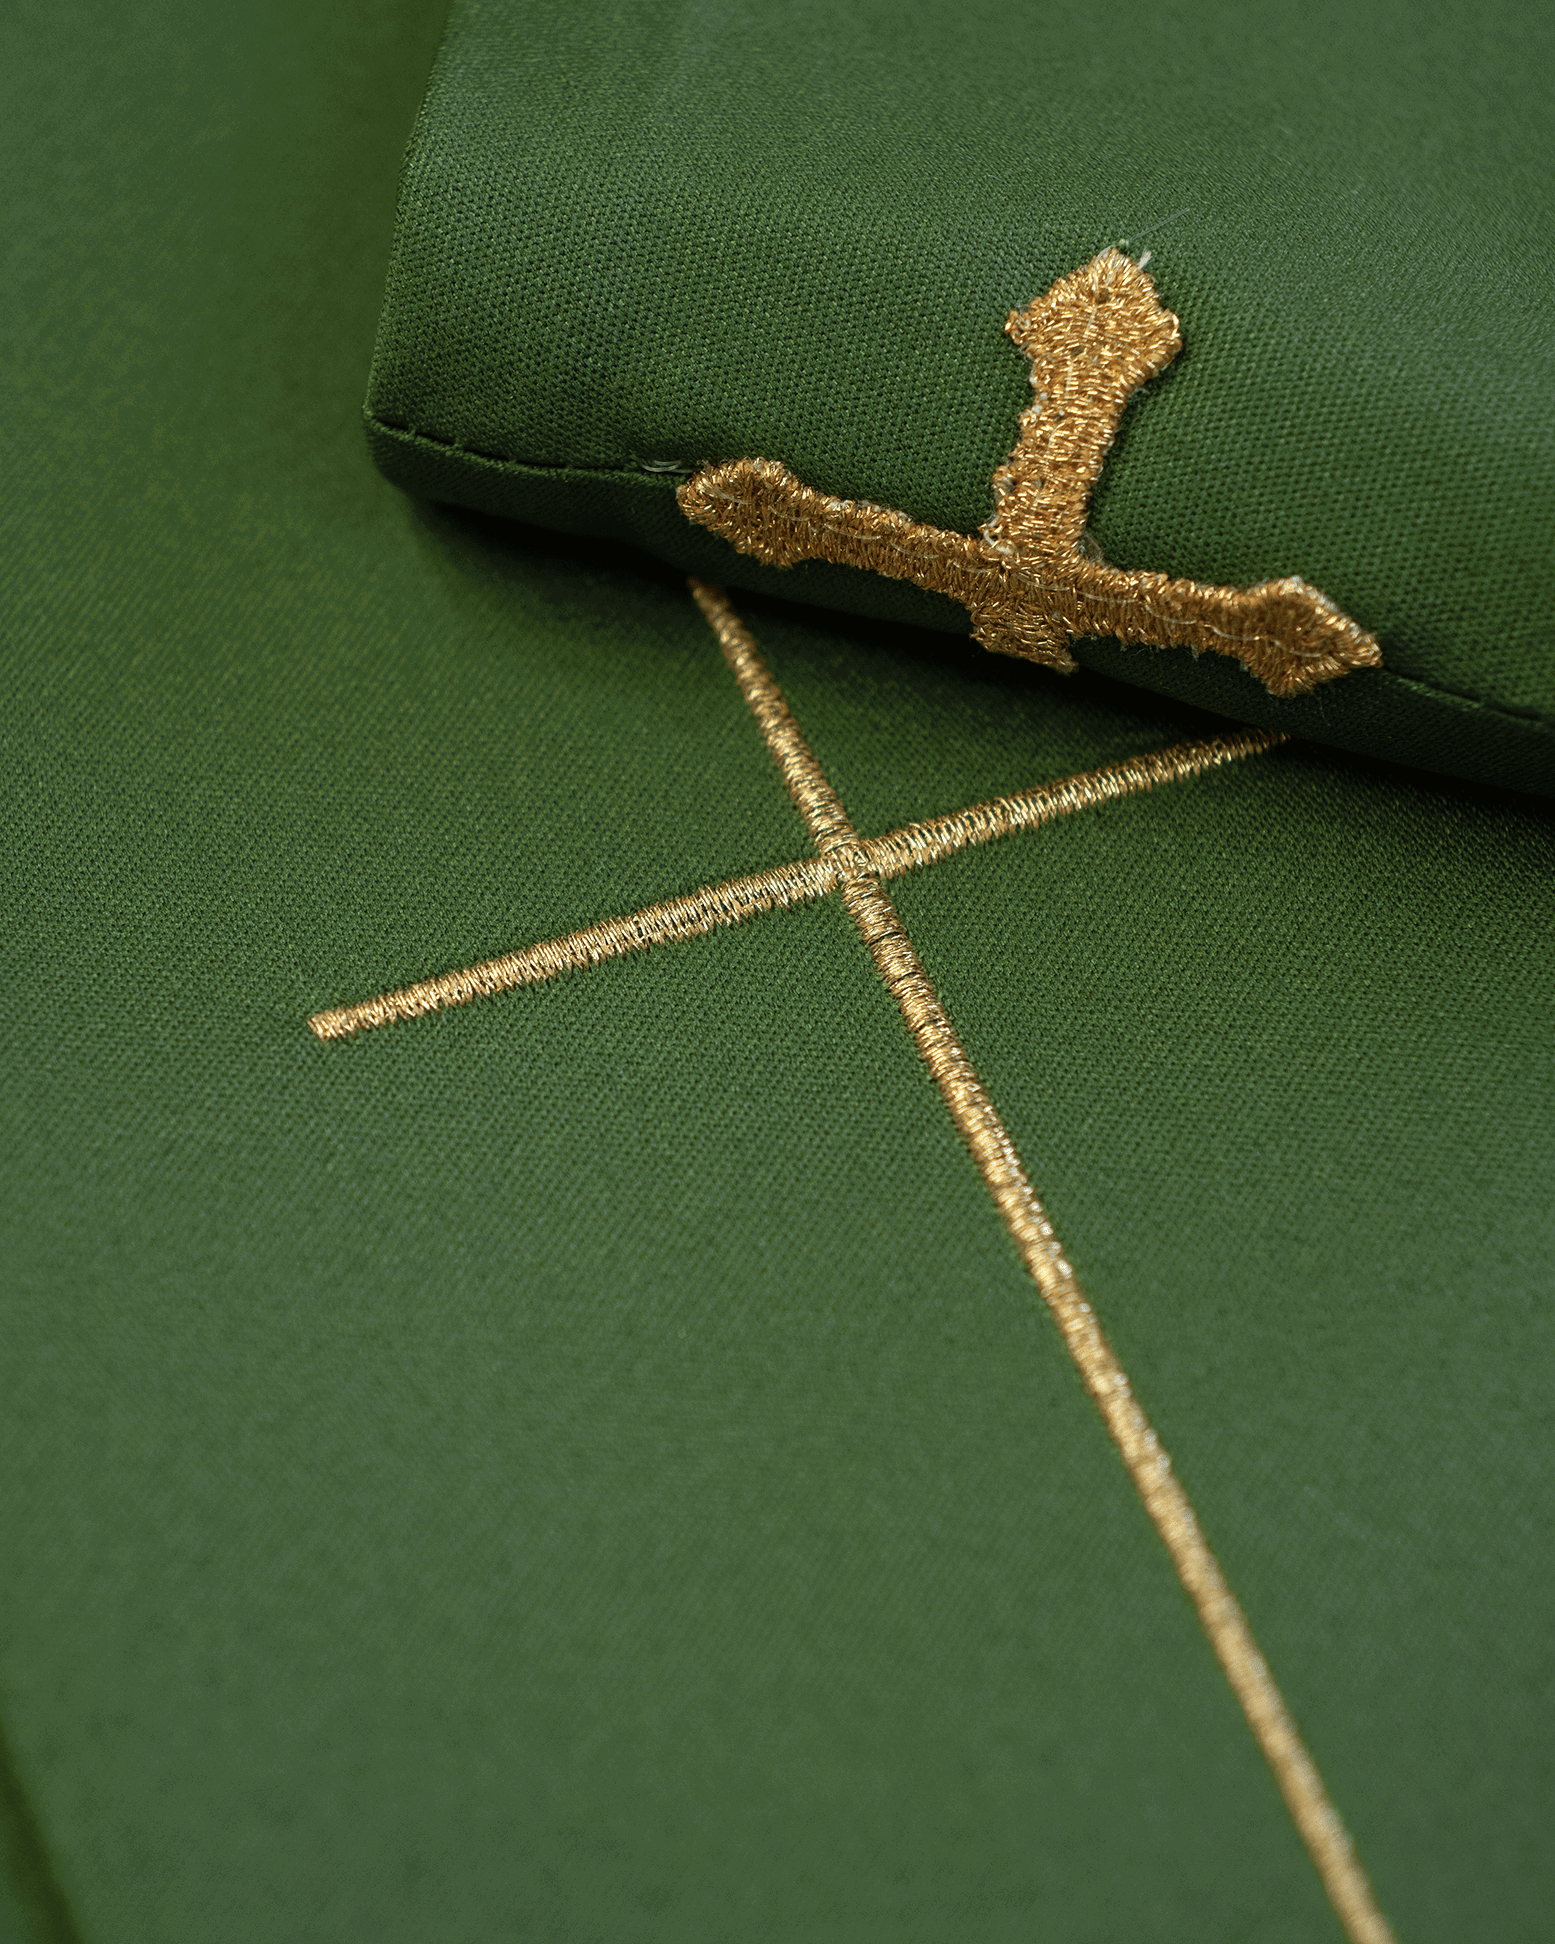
590 1466
33 1909
669 232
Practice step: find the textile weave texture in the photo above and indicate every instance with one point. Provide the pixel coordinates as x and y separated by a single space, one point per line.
661 234
590 1464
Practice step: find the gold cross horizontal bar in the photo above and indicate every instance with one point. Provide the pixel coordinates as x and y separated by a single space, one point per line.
734 900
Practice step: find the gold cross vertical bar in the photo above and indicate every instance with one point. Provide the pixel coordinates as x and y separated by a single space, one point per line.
1220 1615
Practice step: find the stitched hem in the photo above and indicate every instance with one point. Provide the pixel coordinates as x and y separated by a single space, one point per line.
657 482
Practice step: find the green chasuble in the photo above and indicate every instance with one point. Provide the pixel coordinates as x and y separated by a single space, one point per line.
596 1462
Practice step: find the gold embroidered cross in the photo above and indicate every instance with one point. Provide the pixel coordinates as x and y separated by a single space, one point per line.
1031 578
856 867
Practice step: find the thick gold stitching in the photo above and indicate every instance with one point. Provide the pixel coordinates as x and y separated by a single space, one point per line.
978 1121
787 885
1031 579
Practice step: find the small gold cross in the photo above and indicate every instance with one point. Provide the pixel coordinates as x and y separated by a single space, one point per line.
1032 579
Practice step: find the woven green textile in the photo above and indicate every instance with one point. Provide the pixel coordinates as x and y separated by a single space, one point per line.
663 233
590 1466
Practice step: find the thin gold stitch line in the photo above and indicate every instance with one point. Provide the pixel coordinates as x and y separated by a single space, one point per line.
728 903
785 885
978 1121
928 842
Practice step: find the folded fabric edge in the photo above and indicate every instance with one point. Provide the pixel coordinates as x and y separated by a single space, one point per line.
1374 712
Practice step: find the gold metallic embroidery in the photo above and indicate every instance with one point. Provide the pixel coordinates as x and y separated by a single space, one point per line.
978 1121
1031 579
855 865
702 911
786 885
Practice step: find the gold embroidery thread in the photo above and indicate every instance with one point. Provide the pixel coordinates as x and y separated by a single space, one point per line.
786 885
855 866
978 1122
1031 579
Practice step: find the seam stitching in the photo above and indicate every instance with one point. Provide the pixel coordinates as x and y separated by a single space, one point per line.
624 476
